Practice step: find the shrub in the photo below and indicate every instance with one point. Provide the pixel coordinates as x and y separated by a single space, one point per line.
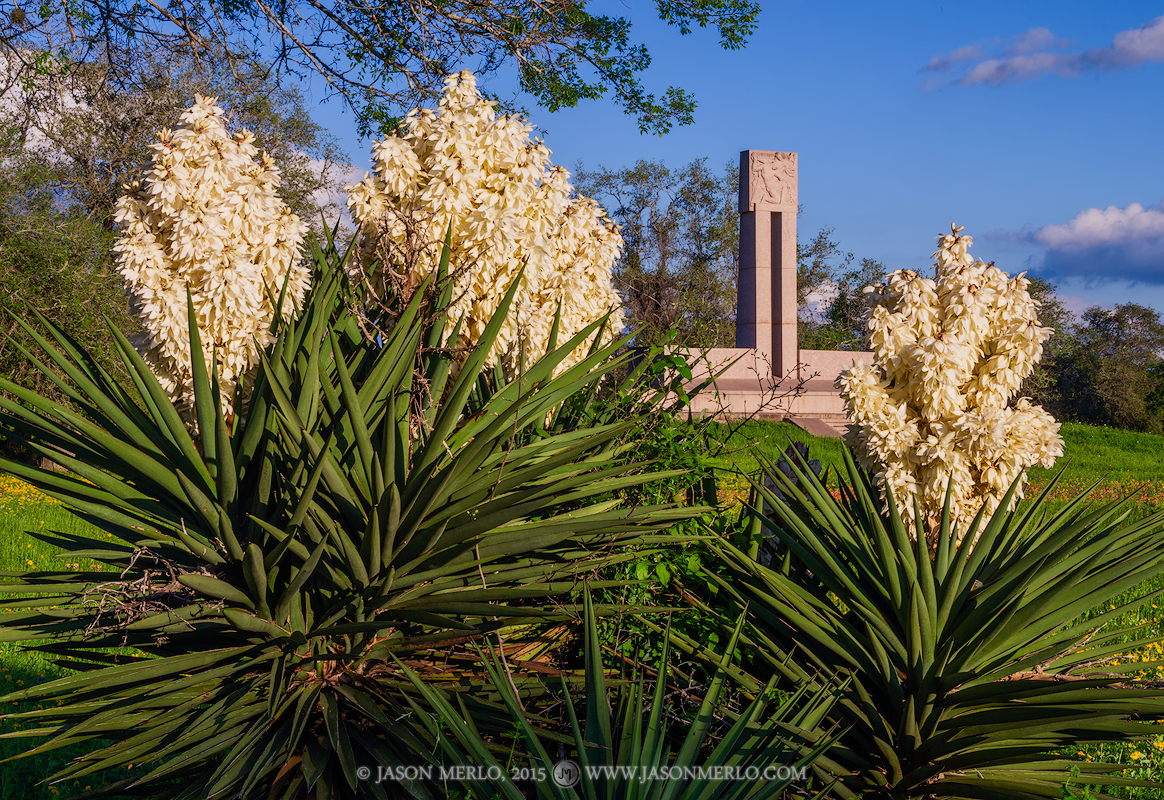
258 595
966 676
625 745
955 630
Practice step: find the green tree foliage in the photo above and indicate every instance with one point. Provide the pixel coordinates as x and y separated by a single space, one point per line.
1042 385
678 268
53 260
1111 375
827 279
67 148
818 261
92 129
386 58
1105 368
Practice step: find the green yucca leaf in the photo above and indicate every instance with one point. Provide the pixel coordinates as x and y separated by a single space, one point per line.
161 411
453 405
204 403
364 509
618 733
964 674
95 388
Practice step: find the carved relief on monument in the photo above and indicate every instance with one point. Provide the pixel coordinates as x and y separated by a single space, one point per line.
771 180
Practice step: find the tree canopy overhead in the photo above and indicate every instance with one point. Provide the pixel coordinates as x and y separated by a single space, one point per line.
385 57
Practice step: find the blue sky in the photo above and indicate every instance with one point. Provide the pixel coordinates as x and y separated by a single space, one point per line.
1037 125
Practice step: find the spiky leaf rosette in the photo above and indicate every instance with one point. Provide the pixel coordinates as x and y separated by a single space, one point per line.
208 221
623 744
243 638
962 676
510 211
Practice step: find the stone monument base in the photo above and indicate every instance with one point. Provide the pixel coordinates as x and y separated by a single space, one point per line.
746 387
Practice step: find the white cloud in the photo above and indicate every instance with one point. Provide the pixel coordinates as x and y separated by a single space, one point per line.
1111 244
1112 225
1040 52
1032 41
946 63
1011 70
1077 303
334 196
819 299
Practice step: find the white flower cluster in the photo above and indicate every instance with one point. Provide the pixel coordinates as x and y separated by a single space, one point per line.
949 354
208 220
462 164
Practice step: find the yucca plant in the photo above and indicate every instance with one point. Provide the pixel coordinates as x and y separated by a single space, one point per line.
976 674
623 748
264 579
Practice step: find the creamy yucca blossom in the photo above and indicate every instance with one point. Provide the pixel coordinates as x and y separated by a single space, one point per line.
465 165
207 219
949 355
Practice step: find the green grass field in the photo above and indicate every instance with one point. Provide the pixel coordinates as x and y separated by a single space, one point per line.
1118 461
23 511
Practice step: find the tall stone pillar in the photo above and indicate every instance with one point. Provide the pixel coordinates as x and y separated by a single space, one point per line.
766 293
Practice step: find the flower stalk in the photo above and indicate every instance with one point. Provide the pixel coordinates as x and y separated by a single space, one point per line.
208 224
934 410
462 165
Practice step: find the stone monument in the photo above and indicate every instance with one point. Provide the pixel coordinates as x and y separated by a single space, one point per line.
766 362
766 287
